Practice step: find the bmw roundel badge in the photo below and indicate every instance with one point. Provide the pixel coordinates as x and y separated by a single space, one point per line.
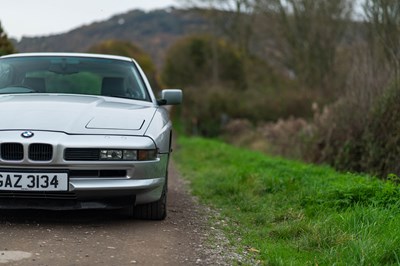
27 134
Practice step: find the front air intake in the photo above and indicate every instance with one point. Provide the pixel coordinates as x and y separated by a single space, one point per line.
82 154
12 151
40 152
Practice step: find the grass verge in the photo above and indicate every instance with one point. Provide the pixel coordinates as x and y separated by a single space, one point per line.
289 213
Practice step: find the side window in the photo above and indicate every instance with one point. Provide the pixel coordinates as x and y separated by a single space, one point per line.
6 75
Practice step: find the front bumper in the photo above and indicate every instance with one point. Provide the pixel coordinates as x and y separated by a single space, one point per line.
87 194
140 182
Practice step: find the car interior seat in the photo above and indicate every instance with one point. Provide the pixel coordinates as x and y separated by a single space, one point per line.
37 84
113 86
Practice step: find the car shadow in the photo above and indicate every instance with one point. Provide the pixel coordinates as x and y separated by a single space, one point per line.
73 217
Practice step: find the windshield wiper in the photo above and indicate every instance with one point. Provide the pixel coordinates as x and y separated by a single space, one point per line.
13 89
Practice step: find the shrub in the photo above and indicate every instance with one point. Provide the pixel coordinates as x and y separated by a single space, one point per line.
382 136
204 109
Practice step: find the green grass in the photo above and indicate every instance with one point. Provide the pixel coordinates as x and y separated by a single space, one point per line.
291 212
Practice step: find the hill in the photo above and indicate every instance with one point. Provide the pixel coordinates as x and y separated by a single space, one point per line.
153 31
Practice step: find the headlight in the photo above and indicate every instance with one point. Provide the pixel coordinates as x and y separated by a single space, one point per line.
111 155
128 155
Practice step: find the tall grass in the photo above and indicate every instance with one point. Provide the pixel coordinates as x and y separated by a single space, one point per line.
289 213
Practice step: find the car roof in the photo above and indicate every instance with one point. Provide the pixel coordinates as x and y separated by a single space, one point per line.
116 57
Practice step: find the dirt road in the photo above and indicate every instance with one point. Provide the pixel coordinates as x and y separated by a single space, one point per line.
106 238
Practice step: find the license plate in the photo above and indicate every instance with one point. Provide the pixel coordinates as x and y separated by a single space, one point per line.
17 181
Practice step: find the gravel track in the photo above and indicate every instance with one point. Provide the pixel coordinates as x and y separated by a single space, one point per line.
107 238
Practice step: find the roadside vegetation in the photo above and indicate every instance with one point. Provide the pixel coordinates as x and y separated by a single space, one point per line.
314 84
285 212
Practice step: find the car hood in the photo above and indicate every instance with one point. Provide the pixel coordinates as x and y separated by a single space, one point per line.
74 114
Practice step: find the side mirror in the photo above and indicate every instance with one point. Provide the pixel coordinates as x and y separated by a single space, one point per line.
170 97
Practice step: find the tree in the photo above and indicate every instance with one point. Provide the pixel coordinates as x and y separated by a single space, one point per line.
383 19
208 99
189 63
233 18
6 47
310 32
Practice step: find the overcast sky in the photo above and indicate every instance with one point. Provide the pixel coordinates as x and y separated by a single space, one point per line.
43 17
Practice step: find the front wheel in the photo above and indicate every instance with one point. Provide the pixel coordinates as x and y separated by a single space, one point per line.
152 211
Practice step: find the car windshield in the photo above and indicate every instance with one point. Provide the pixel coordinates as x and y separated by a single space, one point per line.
72 75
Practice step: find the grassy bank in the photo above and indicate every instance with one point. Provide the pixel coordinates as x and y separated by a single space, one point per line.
290 213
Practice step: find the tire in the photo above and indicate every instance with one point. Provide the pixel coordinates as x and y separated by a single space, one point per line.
152 211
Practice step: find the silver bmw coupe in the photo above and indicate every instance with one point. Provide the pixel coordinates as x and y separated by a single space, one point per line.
82 131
